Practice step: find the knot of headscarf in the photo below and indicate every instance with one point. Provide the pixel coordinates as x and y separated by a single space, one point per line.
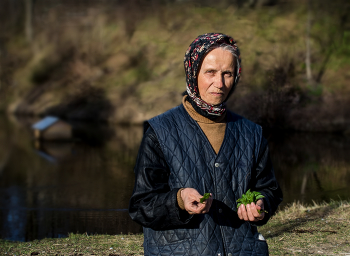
193 57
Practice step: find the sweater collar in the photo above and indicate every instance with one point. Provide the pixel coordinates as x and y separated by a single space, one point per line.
198 117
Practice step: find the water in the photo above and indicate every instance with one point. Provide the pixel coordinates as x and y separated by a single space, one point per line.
311 166
52 189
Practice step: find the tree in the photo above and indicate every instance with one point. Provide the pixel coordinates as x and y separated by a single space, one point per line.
29 20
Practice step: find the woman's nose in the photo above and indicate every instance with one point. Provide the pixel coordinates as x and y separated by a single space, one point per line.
219 81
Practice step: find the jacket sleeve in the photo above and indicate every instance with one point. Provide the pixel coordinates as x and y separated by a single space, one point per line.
264 181
153 204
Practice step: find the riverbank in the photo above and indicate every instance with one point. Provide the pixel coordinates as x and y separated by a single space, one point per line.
321 229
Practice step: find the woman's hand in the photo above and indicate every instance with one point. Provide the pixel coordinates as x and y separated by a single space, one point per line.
191 199
250 211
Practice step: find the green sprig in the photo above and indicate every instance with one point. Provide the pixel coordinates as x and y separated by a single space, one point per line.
250 197
205 197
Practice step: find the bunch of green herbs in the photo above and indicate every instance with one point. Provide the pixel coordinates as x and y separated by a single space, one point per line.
250 197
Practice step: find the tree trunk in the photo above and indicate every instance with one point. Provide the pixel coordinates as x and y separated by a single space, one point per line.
29 20
308 53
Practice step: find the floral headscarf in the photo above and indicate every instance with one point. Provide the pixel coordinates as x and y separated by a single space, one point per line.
193 57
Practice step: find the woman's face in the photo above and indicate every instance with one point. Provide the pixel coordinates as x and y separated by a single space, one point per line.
216 76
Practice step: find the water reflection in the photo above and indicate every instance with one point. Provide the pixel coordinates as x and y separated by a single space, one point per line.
56 188
311 166
52 189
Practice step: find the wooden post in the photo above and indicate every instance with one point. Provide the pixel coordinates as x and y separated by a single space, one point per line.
37 134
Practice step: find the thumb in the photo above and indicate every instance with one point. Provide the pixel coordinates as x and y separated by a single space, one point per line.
260 203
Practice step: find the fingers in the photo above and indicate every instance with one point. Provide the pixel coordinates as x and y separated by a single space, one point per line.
201 208
250 212
191 199
242 213
208 204
260 203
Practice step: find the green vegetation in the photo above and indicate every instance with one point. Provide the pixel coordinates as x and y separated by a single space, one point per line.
124 63
205 197
250 197
321 229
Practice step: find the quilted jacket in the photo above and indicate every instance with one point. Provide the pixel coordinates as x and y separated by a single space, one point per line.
175 153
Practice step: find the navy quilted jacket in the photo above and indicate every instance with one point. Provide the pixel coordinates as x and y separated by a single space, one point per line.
175 153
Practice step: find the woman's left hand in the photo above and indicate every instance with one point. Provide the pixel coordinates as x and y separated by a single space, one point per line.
250 211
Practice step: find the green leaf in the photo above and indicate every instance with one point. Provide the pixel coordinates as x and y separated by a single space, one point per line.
205 197
250 197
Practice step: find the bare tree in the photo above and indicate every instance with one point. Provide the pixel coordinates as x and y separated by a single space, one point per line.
308 53
29 20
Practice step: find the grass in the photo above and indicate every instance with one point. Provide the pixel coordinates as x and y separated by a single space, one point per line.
320 229
77 244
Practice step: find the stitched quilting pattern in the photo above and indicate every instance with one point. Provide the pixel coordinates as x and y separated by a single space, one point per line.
193 163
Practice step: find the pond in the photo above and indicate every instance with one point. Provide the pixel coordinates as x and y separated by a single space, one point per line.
53 189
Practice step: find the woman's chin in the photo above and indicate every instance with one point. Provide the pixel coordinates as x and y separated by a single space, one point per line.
216 101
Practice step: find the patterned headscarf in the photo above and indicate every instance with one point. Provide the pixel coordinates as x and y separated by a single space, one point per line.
193 57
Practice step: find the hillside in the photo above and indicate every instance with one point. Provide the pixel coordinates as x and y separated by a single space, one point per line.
124 64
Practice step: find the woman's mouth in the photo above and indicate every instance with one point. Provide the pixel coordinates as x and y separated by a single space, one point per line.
216 93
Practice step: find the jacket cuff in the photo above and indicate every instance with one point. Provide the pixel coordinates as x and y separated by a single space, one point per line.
182 215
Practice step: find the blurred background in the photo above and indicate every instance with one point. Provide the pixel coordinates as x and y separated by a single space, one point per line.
104 66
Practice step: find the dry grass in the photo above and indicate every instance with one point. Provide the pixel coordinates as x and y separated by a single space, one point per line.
320 229
78 244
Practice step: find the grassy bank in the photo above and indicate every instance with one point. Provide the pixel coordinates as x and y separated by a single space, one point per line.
321 229
303 230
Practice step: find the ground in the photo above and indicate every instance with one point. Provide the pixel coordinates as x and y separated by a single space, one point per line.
320 229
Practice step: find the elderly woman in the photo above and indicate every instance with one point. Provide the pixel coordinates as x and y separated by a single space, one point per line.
200 147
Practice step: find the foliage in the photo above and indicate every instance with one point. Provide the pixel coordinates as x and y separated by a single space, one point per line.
131 53
205 197
250 197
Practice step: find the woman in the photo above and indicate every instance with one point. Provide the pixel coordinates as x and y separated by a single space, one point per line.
201 147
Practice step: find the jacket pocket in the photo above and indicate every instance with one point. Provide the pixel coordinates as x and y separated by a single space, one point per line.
261 248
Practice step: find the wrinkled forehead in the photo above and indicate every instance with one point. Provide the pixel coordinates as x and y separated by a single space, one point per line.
227 50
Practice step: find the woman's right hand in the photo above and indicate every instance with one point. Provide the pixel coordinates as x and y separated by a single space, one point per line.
191 199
